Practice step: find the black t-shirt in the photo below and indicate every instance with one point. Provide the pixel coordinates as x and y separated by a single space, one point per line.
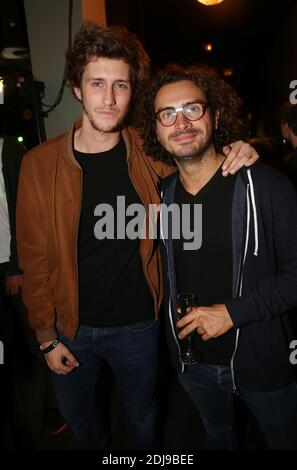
207 272
112 287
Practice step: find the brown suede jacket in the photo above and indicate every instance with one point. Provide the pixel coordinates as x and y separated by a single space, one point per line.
48 212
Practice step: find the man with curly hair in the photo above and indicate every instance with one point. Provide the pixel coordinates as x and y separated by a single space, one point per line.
244 273
92 298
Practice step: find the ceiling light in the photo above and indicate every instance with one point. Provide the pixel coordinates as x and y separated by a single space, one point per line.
210 2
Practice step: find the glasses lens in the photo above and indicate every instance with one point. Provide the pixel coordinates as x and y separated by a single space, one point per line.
167 116
193 111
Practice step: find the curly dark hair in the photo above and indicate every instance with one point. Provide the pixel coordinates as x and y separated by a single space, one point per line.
112 42
219 94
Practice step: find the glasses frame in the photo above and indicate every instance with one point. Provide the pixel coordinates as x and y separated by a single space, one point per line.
204 104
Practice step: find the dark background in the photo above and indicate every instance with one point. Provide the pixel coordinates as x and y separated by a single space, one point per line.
255 38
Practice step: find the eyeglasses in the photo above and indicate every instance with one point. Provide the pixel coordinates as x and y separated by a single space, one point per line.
191 111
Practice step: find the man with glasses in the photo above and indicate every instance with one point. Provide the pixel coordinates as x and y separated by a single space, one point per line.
244 273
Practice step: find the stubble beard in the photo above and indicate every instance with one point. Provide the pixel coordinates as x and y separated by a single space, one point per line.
194 154
102 129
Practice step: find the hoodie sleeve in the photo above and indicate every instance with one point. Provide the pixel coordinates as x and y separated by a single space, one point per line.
274 294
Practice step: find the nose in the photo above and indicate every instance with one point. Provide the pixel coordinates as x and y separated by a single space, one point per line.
181 121
108 96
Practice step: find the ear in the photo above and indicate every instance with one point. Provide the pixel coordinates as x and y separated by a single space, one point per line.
77 92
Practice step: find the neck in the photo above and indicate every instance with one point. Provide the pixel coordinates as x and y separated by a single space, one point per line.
195 174
89 140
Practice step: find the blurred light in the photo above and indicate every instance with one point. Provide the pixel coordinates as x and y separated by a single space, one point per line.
208 47
1 90
20 139
228 72
209 3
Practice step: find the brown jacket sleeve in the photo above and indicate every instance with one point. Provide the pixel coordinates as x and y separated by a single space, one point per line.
31 227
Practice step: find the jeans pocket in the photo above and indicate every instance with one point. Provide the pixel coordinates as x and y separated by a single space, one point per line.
142 326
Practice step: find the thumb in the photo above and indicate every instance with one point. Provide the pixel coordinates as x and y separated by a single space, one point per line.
69 359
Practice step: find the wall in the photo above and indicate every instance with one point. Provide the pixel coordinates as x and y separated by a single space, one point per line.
47 26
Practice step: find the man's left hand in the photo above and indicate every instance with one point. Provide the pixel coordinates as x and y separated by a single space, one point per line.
13 284
238 154
210 322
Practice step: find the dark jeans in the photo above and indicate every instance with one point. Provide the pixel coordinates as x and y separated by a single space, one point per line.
131 352
210 388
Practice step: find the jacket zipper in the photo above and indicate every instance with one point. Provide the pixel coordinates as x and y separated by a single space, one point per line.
235 391
239 291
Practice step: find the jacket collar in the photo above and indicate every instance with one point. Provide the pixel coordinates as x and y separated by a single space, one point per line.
68 144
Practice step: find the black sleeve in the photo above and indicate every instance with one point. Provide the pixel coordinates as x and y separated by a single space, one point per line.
277 293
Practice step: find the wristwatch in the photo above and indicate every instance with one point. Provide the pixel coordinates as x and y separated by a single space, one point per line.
50 347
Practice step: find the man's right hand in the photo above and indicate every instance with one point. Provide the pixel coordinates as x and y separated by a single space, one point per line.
60 360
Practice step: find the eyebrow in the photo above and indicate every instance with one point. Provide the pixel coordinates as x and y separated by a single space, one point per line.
183 104
104 79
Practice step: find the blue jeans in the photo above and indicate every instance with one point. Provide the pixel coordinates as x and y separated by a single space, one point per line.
131 352
210 387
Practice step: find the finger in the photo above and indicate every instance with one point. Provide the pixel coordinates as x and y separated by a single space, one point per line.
181 323
70 360
255 156
229 163
188 318
201 331
60 372
65 368
186 331
242 154
68 363
227 150
206 337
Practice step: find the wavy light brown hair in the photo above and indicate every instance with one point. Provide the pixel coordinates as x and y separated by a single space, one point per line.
114 42
219 94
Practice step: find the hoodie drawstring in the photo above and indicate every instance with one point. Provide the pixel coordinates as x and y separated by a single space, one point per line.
252 193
